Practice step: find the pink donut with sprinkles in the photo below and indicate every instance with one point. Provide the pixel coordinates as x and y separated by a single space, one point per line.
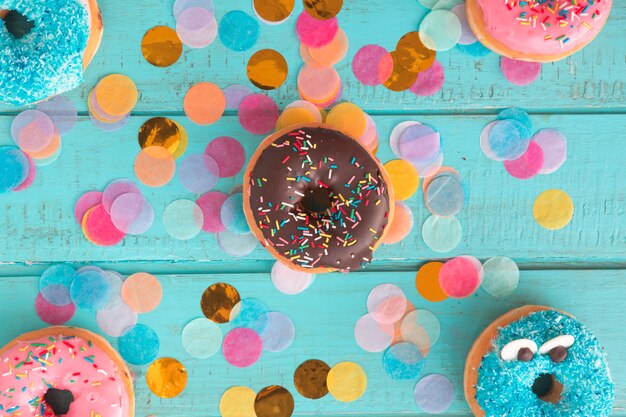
537 30
64 371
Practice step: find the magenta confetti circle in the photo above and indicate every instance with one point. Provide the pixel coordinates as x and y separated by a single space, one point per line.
30 178
372 65
199 173
229 155
211 205
258 114
242 347
528 165
314 32
51 314
520 73
84 203
430 81
115 189
132 213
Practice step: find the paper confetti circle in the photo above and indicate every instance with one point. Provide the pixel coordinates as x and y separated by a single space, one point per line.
280 332
139 346
371 335
242 347
386 303
346 381
553 209
202 338
434 394
238 401
501 276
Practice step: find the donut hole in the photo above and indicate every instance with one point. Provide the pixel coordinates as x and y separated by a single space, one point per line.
547 388
316 201
16 23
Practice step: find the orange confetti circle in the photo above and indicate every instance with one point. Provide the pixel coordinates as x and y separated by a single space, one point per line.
400 79
116 94
142 292
204 103
348 118
323 9
155 166
273 11
404 178
401 224
427 282
333 53
166 377
413 55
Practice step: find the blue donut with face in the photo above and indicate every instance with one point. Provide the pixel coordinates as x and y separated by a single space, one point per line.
546 364
41 48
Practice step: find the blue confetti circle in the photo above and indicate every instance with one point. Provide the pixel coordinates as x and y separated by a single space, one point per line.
521 116
507 139
403 361
55 284
239 31
445 195
250 313
233 216
90 290
475 49
14 168
139 346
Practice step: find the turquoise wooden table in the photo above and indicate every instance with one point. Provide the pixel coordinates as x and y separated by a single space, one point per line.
580 269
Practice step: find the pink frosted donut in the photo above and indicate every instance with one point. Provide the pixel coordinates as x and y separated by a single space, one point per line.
64 371
537 30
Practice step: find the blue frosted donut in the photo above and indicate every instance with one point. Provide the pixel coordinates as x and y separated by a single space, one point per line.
524 386
49 59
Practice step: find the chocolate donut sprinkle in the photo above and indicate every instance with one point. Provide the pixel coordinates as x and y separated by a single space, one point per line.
320 199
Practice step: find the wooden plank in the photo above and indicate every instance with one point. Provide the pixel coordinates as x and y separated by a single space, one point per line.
324 316
40 225
591 79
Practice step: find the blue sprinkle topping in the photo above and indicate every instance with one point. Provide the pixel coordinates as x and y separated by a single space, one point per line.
48 60
505 388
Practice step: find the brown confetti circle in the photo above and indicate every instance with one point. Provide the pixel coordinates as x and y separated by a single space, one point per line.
274 10
274 401
323 9
218 301
160 131
267 69
161 46
310 379
413 55
400 79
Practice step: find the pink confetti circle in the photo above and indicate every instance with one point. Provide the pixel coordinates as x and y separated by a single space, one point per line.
386 303
99 228
235 93
131 213
51 314
318 84
289 281
520 73
32 130
242 347
554 146
211 205
373 336
86 202
62 112
314 32
229 155
115 189
258 114
467 36
372 65
196 27
528 165
430 81
30 178
459 277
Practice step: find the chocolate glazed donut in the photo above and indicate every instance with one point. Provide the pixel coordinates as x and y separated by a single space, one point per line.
317 199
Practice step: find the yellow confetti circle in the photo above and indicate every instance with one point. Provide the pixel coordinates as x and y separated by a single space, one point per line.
348 118
293 117
404 178
238 401
553 209
346 381
166 377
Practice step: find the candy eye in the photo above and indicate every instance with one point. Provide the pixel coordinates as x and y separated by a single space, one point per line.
519 350
557 348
